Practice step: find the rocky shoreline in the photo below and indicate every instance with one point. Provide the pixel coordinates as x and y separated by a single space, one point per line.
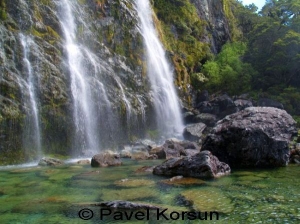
220 134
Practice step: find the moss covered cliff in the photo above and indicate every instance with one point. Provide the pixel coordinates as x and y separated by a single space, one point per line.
191 31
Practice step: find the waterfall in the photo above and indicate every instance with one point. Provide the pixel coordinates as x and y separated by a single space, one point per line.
86 138
33 133
166 103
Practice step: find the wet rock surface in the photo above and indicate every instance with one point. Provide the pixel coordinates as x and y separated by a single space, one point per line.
174 148
106 159
134 182
201 165
207 199
193 132
220 106
126 205
50 162
183 181
254 137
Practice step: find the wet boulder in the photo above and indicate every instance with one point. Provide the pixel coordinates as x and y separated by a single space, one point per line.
209 119
106 159
50 162
174 148
295 155
201 165
188 117
193 132
253 137
220 106
241 104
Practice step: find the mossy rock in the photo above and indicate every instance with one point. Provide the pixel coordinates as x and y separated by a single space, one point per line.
249 178
208 199
245 197
134 183
49 205
129 194
186 181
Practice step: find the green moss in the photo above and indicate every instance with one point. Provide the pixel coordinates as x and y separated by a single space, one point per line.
3 14
228 7
181 30
45 2
12 157
53 33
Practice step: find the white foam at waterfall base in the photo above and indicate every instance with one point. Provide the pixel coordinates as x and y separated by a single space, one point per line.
166 103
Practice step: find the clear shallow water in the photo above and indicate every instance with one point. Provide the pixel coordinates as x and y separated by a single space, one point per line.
51 195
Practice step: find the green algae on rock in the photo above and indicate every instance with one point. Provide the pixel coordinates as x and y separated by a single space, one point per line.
134 182
208 199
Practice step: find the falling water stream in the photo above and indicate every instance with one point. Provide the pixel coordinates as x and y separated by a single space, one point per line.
83 107
161 77
33 134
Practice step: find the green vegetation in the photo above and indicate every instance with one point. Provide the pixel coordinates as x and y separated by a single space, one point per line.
227 71
261 56
181 31
3 14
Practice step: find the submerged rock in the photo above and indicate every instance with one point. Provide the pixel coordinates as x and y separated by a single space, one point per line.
203 164
254 137
208 199
183 181
106 159
50 162
134 182
126 205
135 193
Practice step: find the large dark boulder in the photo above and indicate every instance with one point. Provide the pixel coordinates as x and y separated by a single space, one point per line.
201 96
254 137
201 165
265 102
220 106
209 119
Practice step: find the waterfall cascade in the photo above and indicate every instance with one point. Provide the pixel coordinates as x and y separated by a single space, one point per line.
32 134
74 79
83 106
159 72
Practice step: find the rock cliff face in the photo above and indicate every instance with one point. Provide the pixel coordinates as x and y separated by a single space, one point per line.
36 85
37 101
212 11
